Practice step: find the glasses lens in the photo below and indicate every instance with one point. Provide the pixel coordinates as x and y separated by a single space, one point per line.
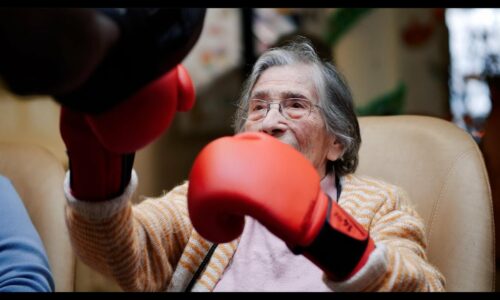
257 109
296 108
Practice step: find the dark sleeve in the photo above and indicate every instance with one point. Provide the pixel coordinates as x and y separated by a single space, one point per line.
24 265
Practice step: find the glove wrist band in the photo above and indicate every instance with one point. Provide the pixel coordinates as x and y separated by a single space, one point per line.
337 252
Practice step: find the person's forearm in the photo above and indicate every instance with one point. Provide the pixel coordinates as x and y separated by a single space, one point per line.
24 265
402 232
137 246
102 233
408 268
399 261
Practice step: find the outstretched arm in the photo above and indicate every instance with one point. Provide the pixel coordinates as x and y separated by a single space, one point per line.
138 246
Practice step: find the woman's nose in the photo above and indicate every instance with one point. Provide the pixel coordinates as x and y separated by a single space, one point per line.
273 123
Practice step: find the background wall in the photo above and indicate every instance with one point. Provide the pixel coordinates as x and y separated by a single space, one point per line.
379 52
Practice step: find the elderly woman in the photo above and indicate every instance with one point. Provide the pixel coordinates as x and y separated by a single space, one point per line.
294 99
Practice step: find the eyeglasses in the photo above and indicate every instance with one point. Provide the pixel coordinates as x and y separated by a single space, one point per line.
290 108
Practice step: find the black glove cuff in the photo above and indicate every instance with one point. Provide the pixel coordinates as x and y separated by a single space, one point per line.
333 251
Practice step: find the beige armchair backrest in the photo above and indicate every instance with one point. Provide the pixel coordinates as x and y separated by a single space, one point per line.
38 176
438 164
442 169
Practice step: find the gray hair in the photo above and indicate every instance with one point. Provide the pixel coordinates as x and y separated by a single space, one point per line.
335 99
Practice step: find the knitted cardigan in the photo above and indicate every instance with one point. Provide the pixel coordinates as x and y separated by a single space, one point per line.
152 246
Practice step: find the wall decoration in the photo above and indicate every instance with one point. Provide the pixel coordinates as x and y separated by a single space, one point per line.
418 32
219 48
214 65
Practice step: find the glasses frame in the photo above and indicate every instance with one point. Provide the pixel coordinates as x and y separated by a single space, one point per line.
280 108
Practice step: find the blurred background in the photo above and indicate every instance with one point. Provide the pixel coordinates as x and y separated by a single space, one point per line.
436 62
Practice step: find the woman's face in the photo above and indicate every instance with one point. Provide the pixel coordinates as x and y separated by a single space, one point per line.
308 134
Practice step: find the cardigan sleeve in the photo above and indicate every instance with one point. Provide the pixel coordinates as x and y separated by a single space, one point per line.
24 266
399 262
137 245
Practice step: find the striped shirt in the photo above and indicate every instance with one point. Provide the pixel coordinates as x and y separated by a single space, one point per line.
152 246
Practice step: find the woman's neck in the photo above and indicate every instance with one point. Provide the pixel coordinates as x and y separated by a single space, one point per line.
328 185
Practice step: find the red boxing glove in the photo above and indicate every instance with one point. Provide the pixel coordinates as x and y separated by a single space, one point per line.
257 175
101 148
134 123
96 173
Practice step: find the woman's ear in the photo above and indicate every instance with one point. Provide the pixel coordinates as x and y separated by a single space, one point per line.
335 150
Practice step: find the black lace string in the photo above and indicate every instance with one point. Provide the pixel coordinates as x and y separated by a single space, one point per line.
201 268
